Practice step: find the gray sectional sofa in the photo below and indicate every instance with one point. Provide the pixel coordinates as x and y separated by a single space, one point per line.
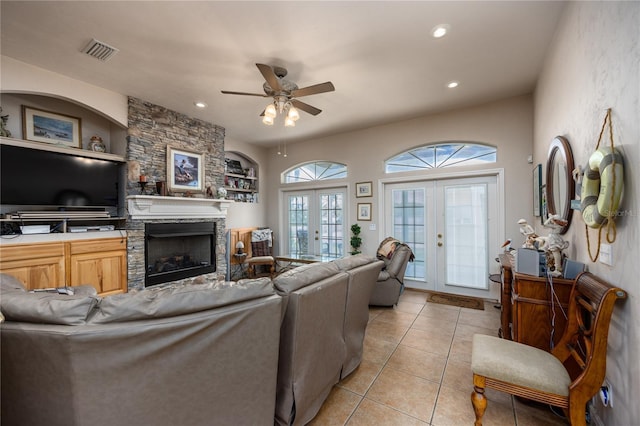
220 353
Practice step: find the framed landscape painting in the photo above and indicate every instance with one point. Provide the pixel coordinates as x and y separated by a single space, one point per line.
364 211
51 127
185 170
364 189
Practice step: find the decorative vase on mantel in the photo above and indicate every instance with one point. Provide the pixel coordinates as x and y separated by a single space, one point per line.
221 193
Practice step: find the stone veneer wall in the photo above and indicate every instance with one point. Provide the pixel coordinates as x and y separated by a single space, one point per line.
151 129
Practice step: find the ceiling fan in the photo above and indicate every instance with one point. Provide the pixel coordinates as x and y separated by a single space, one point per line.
284 94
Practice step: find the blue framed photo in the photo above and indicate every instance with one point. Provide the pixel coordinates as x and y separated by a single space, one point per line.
51 127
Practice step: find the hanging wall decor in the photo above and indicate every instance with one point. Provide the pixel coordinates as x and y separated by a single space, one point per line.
602 187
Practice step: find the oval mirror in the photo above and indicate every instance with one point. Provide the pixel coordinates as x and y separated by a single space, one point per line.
560 186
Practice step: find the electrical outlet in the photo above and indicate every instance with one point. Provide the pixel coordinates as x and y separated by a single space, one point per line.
606 255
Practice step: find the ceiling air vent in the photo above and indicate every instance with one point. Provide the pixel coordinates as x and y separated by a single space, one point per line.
100 50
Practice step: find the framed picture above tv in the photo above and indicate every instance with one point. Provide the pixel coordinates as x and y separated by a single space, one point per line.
51 127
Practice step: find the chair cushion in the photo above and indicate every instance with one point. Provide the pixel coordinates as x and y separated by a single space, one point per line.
261 259
518 364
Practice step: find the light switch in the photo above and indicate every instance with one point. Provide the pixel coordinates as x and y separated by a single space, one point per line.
606 255
372 227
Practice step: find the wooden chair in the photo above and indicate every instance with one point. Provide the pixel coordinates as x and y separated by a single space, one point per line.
261 252
541 376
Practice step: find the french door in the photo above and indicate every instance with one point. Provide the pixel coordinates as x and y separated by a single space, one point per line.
315 222
452 227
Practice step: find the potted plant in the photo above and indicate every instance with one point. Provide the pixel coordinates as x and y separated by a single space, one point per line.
356 241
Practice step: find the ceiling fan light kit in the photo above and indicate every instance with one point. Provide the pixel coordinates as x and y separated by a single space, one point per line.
284 94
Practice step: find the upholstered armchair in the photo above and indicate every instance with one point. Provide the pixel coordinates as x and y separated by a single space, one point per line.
390 283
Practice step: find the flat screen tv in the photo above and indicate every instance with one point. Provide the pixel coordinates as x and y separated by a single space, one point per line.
33 177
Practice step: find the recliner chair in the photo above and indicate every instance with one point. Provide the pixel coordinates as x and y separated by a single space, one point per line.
390 283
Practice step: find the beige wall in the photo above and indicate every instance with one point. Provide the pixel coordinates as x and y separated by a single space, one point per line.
594 64
19 77
506 124
241 215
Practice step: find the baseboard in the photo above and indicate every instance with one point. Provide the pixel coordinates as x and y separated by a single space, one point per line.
594 417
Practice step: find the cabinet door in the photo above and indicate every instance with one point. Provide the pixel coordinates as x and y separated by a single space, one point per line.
539 313
36 265
100 263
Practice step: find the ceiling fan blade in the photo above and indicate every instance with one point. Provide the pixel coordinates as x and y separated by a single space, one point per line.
305 107
312 90
270 76
226 92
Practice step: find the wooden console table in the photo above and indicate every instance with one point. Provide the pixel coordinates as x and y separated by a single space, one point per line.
530 311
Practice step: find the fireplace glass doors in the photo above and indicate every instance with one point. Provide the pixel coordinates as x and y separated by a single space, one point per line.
176 251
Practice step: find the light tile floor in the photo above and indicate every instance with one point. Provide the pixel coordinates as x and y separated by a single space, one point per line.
416 370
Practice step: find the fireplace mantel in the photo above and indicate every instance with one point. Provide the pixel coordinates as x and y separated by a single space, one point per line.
143 207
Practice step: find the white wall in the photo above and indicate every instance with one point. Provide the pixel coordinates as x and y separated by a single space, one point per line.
594 64
241 215
506 124
19 77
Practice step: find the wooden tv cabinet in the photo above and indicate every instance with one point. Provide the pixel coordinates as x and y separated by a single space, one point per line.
100 262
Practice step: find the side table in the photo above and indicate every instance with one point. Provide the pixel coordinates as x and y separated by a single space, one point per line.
239 267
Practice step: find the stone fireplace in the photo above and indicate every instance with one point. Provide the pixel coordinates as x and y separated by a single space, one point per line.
152 129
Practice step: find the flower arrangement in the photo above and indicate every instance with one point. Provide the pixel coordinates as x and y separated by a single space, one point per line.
221 193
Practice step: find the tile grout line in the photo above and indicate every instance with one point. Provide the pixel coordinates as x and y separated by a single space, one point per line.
383 367
444 370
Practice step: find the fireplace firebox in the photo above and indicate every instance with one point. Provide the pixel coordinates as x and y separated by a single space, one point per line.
175 251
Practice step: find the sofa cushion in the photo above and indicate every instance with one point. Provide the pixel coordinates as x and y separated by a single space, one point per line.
47 308
178 300
303 276
351 262
10 283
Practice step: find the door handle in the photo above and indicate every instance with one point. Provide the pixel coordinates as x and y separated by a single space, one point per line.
439 243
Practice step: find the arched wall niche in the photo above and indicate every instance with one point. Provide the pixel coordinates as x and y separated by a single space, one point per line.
21 78
92 122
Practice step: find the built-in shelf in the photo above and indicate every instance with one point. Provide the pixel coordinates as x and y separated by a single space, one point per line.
62 149
241 186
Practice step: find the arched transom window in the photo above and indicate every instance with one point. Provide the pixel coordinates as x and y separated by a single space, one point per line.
317 170
441 155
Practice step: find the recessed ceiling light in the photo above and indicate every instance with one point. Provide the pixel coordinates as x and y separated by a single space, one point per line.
452 84
200 104
440 30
